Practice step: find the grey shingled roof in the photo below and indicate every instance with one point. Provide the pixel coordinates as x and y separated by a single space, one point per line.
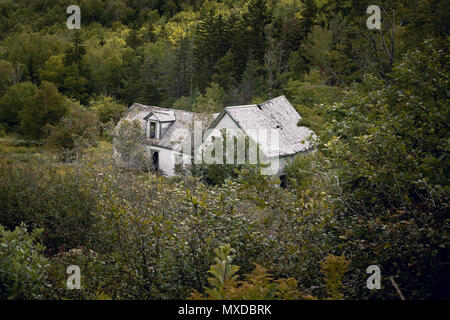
163 116
181 120
277 113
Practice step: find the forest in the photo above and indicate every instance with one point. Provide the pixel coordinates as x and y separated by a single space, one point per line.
375 192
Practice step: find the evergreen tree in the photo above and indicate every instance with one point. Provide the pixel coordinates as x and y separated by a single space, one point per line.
133 39
76 83
256 20
212 43
310 13
77 50
225 71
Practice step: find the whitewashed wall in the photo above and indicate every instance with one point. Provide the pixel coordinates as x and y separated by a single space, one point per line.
227 123
167 160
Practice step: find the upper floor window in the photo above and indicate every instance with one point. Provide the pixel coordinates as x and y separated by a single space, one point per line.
152 129
157 124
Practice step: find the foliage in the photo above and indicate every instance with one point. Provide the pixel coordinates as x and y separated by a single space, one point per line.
159 53
309 95
54 200
14 101
30 51
107 109
375 190
259 285
183 103
92 274
74 133
300 171
7 76
45 107
334 267
23 266
223 274
211 101
386 171
128 141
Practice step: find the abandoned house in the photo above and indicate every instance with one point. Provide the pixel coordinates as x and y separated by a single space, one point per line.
165 128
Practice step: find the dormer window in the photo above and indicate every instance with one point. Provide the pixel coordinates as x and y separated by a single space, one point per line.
157 123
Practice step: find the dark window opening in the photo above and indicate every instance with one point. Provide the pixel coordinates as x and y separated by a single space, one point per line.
152 129
213 152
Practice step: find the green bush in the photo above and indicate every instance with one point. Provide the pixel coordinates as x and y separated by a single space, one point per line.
260 285
23 266
13 102
385 170
92 271
75 132
107 109
45 197
45 107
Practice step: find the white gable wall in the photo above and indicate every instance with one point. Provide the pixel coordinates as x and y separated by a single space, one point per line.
227 123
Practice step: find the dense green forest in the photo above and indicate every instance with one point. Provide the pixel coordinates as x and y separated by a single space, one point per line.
376 192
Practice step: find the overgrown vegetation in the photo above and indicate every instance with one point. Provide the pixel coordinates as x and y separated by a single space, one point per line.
374 192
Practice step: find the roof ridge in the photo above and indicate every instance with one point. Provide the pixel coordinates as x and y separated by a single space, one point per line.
164 112
242 106
168 109
273 100
256 104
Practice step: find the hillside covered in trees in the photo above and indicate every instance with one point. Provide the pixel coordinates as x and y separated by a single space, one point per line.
375 192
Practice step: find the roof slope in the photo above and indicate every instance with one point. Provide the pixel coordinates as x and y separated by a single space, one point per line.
163 116
277 113
181 121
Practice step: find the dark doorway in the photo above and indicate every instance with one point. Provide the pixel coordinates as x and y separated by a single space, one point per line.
155 160
283 181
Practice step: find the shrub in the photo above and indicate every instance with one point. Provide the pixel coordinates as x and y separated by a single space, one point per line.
75 132
130 148
259 285
23 267
385 172
45 106
13 102
92 271
334 268
54 199
107 109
